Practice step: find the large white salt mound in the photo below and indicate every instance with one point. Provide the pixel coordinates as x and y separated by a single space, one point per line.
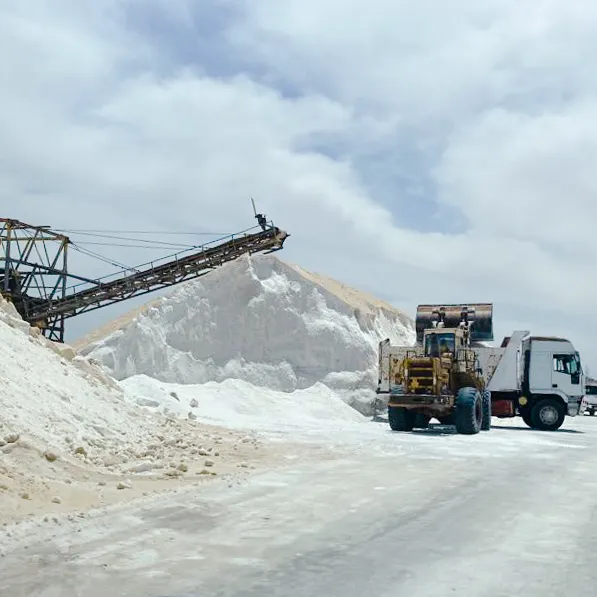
60 414
58 400
239 405
259 320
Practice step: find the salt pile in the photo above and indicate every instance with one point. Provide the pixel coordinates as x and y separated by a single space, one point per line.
260 321
69 436
237 404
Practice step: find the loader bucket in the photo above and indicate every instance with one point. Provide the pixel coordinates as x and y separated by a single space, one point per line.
480 317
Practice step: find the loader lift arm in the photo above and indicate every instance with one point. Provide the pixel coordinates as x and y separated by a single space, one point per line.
24 279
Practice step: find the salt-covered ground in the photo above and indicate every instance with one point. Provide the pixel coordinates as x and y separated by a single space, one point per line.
382 514
257 320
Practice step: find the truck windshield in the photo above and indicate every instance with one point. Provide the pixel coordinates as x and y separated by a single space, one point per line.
591 390
577 358
436 344
575 364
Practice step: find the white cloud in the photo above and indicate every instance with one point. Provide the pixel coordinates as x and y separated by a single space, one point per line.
539 168
100 130
434 59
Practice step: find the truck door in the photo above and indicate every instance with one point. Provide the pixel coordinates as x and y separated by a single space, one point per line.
565 375
539 373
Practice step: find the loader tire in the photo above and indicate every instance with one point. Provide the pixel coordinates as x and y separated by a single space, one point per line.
401 419
548 414
486 400
469 411
421 421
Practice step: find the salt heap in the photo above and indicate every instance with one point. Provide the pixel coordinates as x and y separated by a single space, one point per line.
71 438
257 320
55 402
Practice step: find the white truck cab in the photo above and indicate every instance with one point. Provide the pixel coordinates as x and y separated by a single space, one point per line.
538 377
555 369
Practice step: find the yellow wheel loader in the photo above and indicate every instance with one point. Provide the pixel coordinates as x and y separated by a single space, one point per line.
440 377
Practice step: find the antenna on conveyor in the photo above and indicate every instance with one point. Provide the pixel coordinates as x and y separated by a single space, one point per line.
261 220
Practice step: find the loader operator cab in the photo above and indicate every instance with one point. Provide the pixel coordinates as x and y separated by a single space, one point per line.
437 343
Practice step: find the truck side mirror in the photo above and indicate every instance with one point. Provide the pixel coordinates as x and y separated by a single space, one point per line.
575 378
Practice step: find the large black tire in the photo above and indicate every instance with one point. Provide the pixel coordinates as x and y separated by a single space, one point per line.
486 421
421 421
548 414
526 417
469 411
401 419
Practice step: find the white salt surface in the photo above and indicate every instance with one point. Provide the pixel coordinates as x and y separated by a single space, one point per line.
237 404
71 439
57 398
257 320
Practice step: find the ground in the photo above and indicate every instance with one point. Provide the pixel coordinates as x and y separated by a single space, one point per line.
357 512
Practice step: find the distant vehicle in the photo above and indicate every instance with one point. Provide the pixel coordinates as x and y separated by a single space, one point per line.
451 375
591 396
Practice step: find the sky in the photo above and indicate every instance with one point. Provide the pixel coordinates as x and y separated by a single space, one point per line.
429 152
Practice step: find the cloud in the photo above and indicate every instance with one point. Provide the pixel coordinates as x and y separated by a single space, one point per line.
541 166
432 59
426 152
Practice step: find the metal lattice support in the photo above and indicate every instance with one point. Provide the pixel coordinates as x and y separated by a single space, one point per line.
33 271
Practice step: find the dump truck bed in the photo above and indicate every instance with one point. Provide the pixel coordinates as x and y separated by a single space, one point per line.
502 366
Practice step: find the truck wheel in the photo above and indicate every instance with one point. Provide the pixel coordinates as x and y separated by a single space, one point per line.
486 401
592 412
401 419
526 417
421 421
469 411
548 414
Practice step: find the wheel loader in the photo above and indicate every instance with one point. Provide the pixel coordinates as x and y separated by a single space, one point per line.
440 376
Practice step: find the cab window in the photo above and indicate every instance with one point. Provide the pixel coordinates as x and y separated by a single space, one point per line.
436 344
568 364
561 363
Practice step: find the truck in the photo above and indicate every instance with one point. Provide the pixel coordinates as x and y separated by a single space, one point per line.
591 396
453 375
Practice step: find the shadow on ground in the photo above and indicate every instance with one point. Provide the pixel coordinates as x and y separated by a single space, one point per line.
535 430
441 430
